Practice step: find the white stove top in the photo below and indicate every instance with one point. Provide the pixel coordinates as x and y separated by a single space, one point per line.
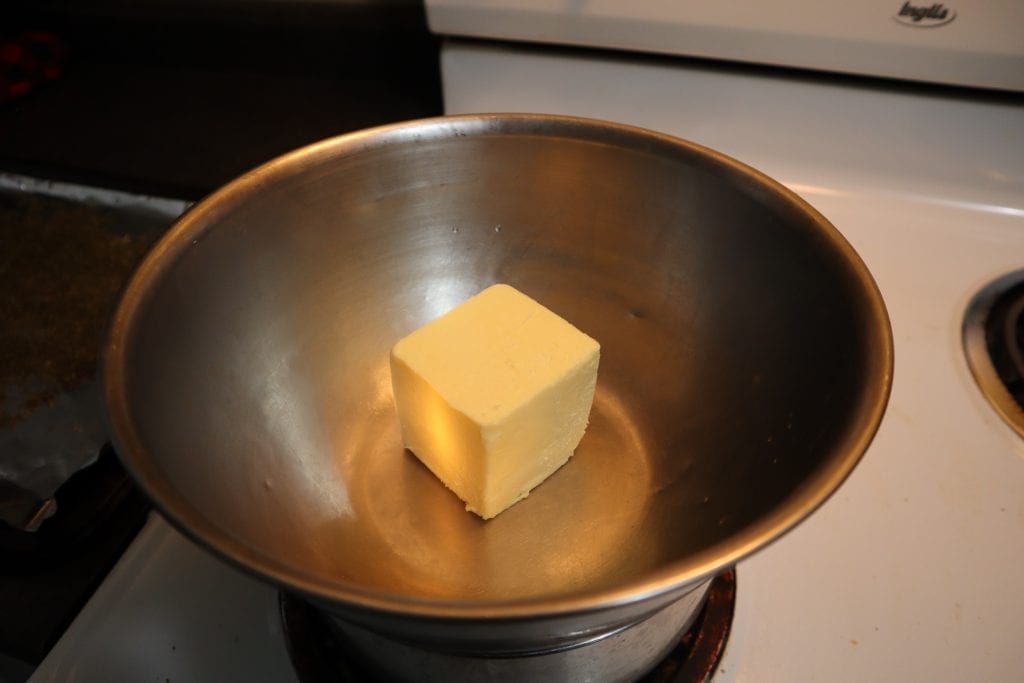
912 571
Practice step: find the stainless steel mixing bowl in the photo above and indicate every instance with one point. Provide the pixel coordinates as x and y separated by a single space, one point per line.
746 363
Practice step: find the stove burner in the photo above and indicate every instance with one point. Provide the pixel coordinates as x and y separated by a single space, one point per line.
47 575
994 341
320 657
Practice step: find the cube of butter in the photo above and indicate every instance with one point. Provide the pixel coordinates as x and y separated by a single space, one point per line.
494 396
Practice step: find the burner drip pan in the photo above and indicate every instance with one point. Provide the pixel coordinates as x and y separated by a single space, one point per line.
993 335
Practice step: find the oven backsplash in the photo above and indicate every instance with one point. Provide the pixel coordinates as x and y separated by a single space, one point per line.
955 43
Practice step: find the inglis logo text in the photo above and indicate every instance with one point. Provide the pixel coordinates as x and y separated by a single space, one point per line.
930 17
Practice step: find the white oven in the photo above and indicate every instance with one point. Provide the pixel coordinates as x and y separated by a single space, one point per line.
901 122
912 572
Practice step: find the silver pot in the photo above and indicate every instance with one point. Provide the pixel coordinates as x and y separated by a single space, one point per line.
746 364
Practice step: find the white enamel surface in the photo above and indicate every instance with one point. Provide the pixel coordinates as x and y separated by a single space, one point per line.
977 43
170 612
912 571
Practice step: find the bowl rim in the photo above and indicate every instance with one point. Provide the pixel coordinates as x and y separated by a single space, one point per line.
190 228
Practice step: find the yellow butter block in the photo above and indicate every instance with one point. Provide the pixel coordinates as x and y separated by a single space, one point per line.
494 396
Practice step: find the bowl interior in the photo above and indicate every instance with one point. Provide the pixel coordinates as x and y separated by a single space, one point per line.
745 359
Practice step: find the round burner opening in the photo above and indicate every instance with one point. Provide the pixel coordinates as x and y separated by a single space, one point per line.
993 335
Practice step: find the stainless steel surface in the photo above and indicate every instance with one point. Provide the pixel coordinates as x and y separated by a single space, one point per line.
978 358
621 655
746 363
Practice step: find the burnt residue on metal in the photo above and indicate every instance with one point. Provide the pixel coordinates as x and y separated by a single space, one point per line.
700 649
1004 337
318 656
62 265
